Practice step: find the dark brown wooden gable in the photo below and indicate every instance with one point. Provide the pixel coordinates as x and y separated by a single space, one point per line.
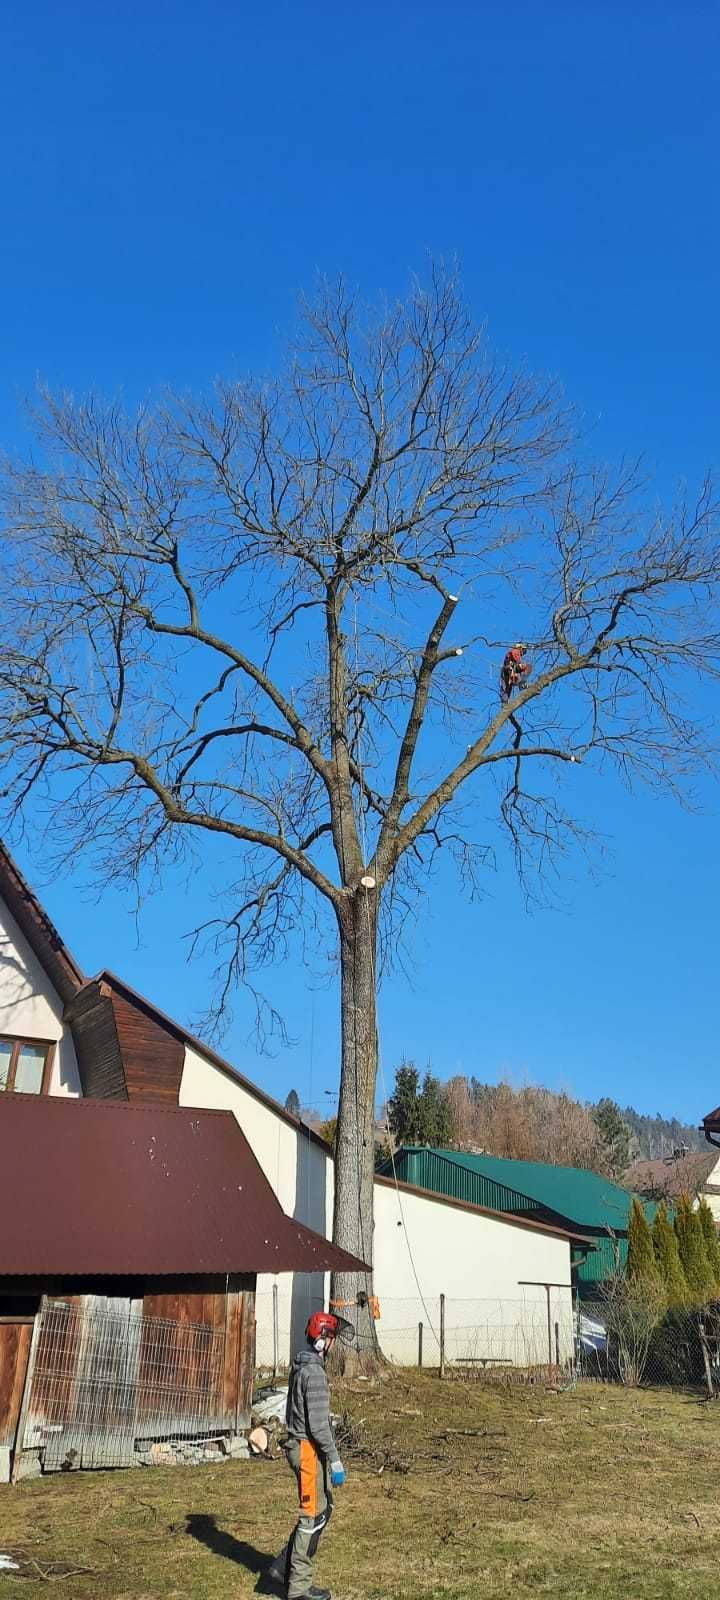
152 1057
123 1051
97 1046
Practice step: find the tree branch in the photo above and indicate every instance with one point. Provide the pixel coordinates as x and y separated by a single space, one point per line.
305 743
428 663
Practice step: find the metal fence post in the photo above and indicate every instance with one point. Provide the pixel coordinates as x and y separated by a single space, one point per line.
442 1336
27 1390
420 1339
706 1358
276 1332
557 1344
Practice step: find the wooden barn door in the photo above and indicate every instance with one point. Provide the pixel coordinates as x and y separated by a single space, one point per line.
15 1337
245 1368
181 1362
199 1358
239 1366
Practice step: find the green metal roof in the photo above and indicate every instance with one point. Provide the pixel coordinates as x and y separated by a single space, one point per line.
608 1256
430 1169
583 1198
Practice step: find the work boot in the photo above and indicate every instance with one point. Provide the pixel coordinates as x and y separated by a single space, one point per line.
271 1582
315 1594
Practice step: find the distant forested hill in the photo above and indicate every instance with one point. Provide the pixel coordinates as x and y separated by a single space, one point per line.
659 1136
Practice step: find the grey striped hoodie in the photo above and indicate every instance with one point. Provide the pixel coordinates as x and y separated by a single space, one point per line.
307 1415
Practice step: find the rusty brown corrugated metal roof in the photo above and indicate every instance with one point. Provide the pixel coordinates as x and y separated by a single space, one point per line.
96 1187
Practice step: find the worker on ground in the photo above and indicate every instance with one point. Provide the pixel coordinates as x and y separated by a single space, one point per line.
313 1455
514 672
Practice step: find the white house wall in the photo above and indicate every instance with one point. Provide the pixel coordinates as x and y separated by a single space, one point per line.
713 1183
30 1007
477 1262
301 1175
490 1272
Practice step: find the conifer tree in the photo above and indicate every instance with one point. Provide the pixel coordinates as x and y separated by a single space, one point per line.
667 1258
418 1115
434 1113
615 1135
712 1243
693 1254
403 1111
641 1265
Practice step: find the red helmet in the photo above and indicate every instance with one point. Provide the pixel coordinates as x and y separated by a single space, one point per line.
325 1325
322 1325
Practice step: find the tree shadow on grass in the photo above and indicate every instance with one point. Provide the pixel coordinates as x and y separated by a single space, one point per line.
203 1527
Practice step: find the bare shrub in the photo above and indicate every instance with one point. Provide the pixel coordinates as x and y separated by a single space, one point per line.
632 1313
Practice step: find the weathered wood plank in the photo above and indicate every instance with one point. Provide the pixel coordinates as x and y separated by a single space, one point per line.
246 1363
97 1047
232 1355
14 1351
123 1052
152 1057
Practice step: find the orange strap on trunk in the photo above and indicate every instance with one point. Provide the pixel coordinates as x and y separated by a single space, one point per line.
346 1305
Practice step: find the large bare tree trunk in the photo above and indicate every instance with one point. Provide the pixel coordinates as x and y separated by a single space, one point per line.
355 1153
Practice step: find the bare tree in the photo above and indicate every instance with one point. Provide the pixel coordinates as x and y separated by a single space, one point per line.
240 617
527 1124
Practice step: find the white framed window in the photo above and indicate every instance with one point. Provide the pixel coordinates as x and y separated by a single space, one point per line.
25 1065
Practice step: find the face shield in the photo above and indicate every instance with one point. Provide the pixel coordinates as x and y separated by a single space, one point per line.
345 1331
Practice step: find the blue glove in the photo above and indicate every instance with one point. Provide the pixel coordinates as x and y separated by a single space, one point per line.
337 1474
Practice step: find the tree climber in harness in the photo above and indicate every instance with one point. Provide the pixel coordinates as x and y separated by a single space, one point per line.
313 1455
514 672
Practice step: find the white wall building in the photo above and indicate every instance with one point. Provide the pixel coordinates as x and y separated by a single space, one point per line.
711 1191
31 1009
61 1033
489 1268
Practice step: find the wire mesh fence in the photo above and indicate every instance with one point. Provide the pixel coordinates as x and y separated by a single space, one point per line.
474 1334
628 1338
621 1338
107 1388
112 1388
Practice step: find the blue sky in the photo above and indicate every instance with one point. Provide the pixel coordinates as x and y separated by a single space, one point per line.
173 174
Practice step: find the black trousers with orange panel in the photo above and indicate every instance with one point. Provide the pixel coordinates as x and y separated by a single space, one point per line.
294 1566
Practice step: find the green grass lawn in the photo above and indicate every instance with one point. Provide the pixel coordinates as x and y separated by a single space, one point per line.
596 1492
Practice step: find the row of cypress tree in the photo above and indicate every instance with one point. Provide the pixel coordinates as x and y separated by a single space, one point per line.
680 1259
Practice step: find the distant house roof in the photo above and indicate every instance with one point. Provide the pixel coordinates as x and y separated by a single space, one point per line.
41 934
667 1180
101 1187
711 1123
582 1199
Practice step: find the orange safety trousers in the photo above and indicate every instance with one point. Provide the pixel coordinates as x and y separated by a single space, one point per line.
294 1565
